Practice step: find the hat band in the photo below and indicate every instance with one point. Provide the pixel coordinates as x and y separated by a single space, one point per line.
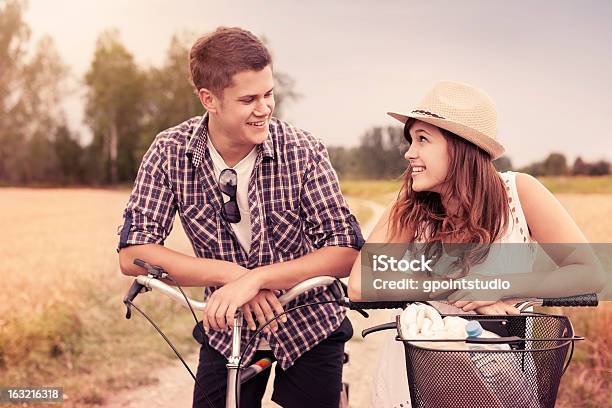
423 112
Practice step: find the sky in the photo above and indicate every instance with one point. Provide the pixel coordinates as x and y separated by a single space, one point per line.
546 64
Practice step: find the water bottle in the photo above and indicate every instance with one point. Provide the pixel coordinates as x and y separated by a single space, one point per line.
474 329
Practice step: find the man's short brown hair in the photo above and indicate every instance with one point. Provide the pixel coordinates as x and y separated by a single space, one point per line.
216 57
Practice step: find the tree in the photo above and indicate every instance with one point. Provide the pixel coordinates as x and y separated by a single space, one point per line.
43 78
599 168
14 36
535 169
69 156
30 95
346 161
171 98
503 164
555 165
114 108
284 91
379 155
580 167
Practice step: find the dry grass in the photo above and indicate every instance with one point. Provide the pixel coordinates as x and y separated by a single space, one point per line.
61 318
588 382
62 321
381 191
578 184
362 212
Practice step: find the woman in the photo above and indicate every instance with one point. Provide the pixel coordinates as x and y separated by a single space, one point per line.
452 194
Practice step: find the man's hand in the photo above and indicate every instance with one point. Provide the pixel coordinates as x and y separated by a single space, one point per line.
264 306
223 303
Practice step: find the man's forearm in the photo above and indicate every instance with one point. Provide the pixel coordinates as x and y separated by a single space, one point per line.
187 270
327 261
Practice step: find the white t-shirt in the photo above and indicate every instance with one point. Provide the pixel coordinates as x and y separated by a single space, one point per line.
244 169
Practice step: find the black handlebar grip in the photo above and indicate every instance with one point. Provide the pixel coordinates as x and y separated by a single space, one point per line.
587 300
140 263
390 304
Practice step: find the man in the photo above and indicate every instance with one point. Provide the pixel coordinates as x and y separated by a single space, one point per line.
261 205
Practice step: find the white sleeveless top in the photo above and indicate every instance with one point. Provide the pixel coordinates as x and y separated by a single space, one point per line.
514 252
390 388
518 231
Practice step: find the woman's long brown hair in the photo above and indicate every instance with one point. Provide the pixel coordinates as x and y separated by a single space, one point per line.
482 213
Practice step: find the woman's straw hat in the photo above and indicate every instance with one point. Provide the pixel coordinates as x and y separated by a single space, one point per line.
461 109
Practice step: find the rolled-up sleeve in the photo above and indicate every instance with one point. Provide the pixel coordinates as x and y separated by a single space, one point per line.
327 218
150 210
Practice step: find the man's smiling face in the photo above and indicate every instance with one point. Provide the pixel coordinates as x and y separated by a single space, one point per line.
244 109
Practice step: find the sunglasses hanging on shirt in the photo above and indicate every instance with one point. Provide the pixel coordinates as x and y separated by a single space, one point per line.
228 182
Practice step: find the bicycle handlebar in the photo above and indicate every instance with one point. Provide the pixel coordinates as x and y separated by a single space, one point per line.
151 282
587 300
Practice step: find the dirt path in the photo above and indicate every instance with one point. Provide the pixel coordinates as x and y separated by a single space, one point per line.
174 385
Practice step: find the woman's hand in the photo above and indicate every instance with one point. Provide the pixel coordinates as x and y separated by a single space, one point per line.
488 306
496 308
468 306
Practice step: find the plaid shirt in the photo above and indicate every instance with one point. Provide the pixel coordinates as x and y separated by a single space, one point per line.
295 204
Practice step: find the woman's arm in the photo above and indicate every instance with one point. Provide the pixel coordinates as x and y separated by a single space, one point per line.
396 249
378 235
551 226
578 270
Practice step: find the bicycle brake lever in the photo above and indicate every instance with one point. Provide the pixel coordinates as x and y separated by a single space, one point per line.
337 289
135 289
344 301
343 286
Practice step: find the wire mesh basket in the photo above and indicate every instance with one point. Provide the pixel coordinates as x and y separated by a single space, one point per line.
525 375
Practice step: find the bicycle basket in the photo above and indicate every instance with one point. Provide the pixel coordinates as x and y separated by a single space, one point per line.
526 375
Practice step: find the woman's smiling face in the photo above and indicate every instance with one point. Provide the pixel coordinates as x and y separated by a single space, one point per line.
428 156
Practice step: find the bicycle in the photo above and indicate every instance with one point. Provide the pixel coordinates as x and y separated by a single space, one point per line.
558 331
236 373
